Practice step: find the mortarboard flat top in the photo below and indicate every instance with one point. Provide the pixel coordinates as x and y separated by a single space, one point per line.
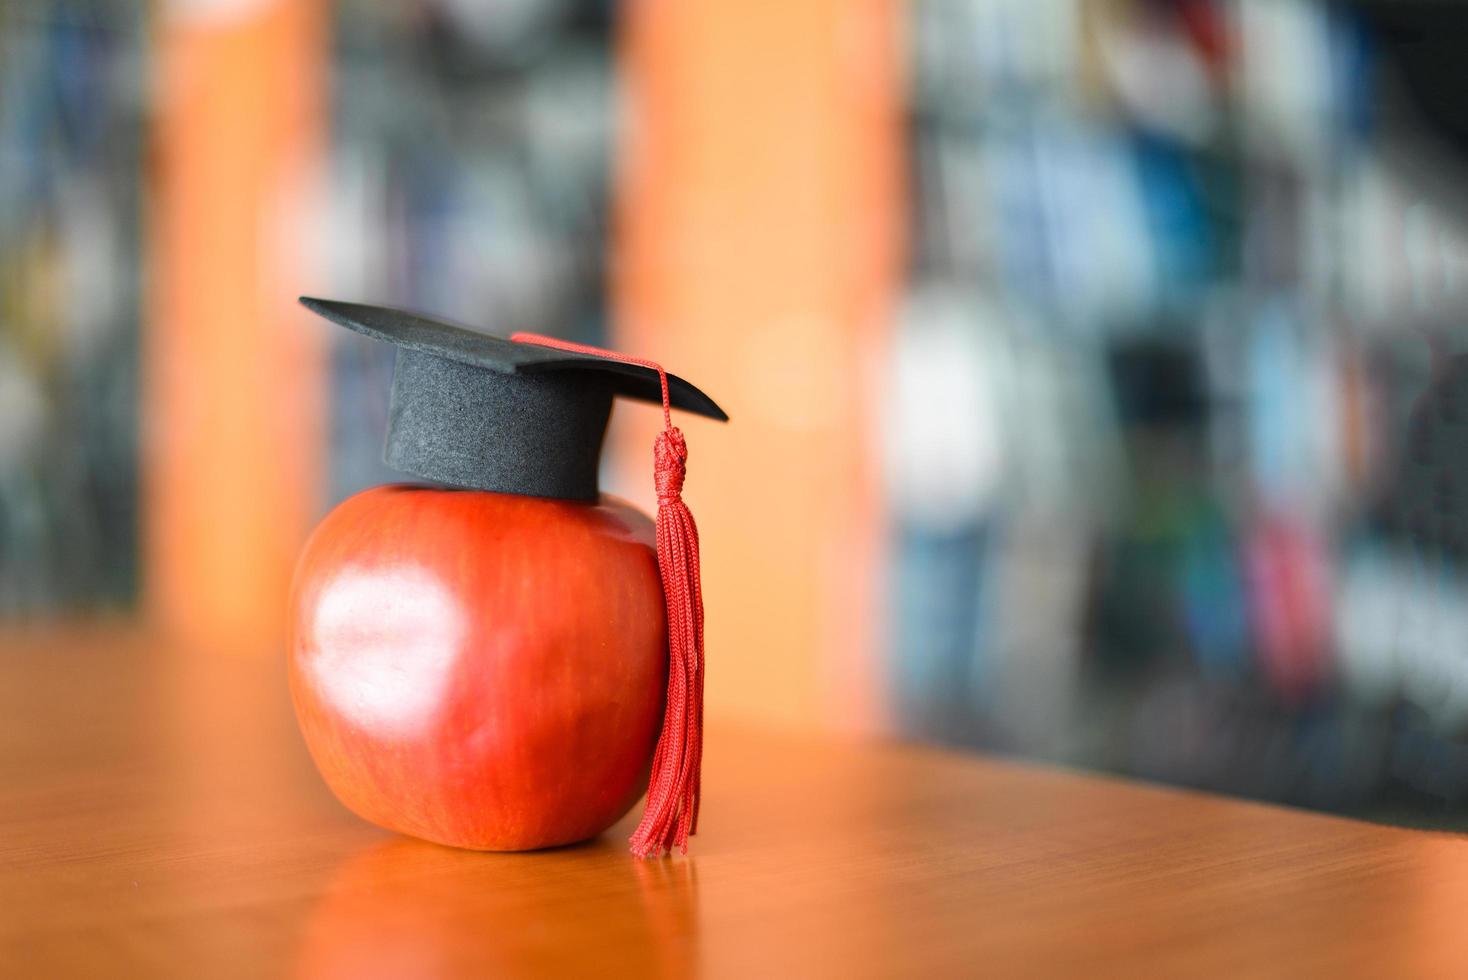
481 412
442 338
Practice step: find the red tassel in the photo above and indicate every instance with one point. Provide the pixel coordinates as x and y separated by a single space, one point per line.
673 791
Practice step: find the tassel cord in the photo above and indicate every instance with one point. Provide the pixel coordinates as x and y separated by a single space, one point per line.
675 785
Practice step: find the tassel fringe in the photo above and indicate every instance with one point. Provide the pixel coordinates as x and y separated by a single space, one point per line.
673 793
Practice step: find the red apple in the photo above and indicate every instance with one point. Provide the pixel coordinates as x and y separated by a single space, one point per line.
478 669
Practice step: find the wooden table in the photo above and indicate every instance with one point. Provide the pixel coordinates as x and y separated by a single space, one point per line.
159 817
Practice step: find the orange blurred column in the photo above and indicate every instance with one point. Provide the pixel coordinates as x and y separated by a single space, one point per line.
232 377
758 253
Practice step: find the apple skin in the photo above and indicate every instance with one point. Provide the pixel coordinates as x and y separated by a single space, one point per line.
477 669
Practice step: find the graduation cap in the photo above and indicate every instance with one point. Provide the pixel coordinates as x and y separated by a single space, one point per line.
527 415
485 413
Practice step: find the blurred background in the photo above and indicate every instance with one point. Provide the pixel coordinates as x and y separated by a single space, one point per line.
1093 366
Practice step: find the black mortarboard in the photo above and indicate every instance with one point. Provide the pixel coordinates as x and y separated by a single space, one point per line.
472 410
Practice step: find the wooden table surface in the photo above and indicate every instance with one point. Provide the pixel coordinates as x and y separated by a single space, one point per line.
159 817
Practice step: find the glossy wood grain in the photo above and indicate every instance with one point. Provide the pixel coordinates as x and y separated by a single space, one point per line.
159 817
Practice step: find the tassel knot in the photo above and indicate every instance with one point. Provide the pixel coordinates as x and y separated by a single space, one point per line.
670 465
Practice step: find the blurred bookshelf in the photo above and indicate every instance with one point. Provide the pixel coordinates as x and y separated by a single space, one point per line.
72 124
467 172
1186 285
